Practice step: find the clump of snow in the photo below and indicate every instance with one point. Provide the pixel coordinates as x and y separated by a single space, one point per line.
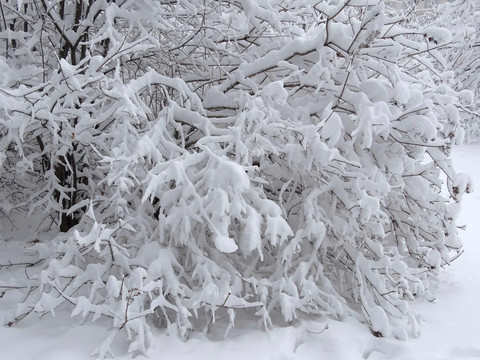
438 35
401 92
225 244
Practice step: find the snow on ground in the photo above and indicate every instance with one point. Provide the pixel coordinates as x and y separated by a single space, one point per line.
450 326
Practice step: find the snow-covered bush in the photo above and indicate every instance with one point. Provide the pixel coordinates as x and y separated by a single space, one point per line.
462 17
203 157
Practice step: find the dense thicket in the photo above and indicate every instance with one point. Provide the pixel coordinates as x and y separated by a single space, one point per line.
192 158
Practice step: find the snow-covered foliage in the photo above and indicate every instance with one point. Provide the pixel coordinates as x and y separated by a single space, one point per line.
462 18
199 158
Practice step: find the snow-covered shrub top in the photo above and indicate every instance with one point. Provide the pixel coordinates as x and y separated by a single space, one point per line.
204 157
463 58
452 28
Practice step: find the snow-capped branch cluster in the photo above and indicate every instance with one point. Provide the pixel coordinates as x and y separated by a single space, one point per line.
199 158
463 57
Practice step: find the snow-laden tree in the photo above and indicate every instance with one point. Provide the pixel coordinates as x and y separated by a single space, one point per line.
196 158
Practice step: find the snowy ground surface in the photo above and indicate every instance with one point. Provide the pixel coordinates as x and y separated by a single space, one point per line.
450 326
